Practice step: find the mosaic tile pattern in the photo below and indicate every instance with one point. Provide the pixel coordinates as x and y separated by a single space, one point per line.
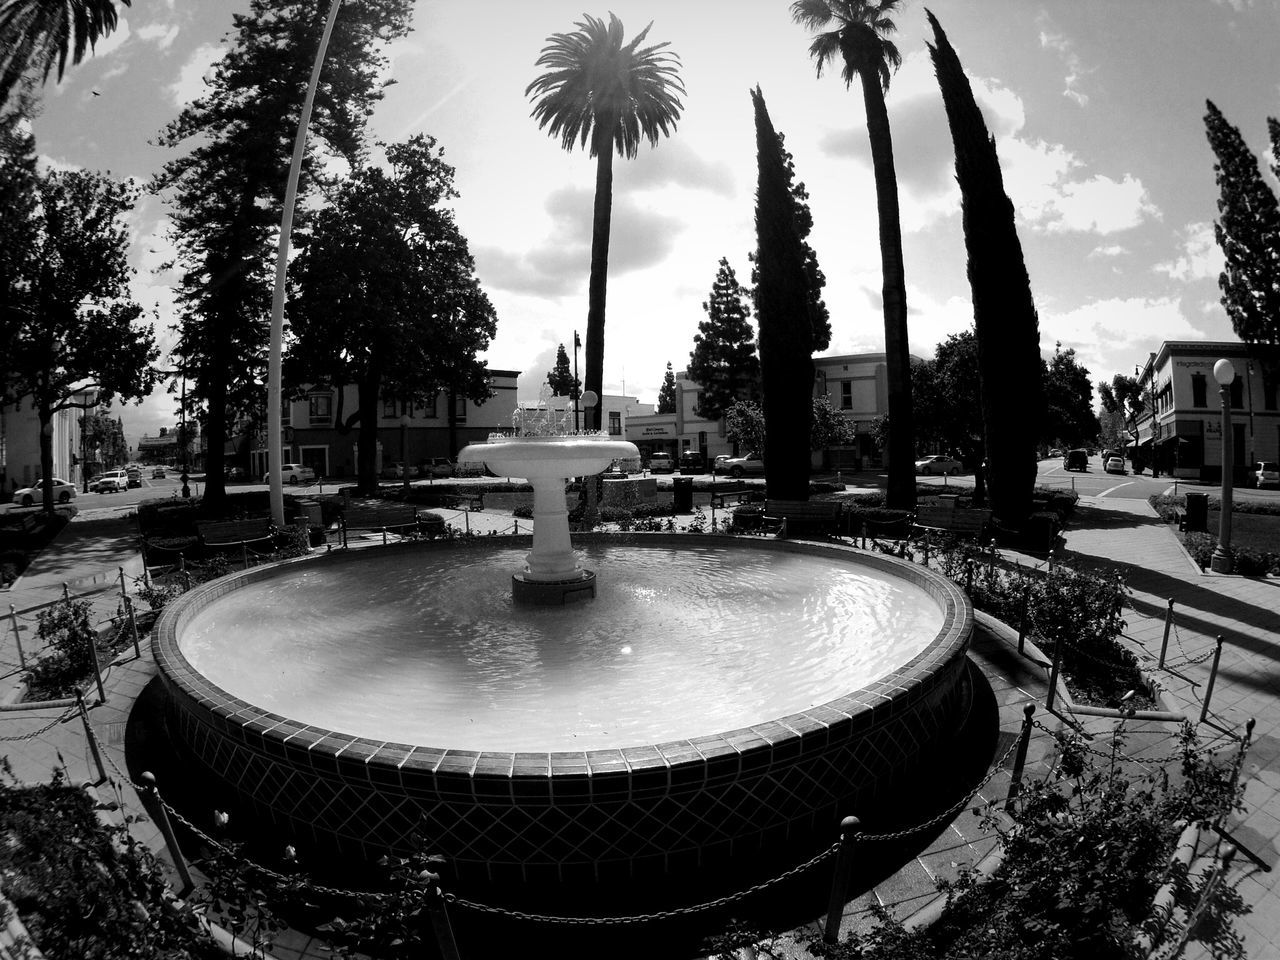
626 812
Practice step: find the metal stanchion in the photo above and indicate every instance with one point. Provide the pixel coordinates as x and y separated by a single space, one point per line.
17 637
1053 675
968 577
438 916
1168 622
840 881
1020 757
1022 620
864 534
88 735
170 838
123 591
66 594
1213 675
244 555
92 640
133 626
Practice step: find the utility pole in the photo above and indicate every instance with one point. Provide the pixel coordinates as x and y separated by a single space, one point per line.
576 344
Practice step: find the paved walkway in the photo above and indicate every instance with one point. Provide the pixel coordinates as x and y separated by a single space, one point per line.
1126 534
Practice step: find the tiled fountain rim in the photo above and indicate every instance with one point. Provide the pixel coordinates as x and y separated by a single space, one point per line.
892 693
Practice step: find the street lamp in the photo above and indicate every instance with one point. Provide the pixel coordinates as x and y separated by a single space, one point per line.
1224 373
576 385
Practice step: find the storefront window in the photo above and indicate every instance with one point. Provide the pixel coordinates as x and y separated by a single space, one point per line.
1199 390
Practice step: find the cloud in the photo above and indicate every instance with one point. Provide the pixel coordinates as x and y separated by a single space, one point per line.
674 163
1108 250
1110 334
1065 49
114 40
161 34
47 163
190 83
1201 257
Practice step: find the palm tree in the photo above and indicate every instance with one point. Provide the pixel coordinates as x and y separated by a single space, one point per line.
35 33
603 95
859 39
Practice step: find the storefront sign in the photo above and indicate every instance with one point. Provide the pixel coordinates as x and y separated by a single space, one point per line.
658 430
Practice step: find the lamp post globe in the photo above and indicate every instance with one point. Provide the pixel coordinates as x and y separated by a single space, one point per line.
1222 561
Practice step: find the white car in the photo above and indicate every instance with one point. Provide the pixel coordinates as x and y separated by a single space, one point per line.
938 464
1114 465
63 492
113 481
293 473
741 466
1267 474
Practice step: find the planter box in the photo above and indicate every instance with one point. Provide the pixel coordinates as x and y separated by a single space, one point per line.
628 492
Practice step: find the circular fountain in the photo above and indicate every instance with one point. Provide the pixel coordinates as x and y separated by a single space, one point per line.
720 698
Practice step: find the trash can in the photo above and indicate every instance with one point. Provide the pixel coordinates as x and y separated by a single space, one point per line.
684 494
1197 519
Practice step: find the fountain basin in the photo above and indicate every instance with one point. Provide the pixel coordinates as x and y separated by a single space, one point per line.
617 809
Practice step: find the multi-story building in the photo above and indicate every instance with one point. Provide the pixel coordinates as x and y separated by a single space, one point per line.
1181 430
20 442
679 431
315 434
615 410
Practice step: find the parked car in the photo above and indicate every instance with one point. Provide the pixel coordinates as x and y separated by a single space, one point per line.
438 467
1055 452
113 481
938 464
63 492
1076 460
1114 465
157 473
736 467
692 461
661 463
1266 474
293 473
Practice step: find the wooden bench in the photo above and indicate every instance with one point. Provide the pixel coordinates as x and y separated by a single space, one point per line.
798 517
722 498
946 517
384 519
234 533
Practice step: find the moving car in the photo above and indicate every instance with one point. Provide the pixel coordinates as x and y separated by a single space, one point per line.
938 464
1114 465
113 481
134 476
157 473
1076 460
661 463
63 492
1266 474
293 473
736 467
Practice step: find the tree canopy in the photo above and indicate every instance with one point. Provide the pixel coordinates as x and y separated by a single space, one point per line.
386 294
723 361
1068 393
36 34
668 394
561 379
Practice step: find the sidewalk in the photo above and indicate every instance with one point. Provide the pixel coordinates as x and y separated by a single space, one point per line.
1124 534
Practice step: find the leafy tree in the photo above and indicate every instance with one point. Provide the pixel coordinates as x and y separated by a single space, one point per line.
1068 397
1123 397
1004 312
67 287
723 362
668 394
786 333
18 199
604 95
36 33
827 426
105 435
744 426
1248 231
227 190
561 379
387 297
860 40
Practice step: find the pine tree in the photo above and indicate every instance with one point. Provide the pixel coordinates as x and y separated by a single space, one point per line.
560 379
1248 231
668 394
227 190
786 331
1004 311
723 362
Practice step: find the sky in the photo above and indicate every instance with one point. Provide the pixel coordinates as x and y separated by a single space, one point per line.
1096 106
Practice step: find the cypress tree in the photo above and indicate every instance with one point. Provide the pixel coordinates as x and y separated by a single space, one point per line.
1248 231
667 394
1004 312
723 361
786 333
561 379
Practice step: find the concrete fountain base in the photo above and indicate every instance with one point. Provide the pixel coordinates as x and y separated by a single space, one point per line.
553 593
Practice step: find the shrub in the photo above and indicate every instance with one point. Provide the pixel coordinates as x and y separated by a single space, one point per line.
65 633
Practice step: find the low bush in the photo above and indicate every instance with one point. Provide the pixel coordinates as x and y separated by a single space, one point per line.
67 636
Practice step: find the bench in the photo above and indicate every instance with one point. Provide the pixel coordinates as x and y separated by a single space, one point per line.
948 518
797 517
722 498
384 519
234 533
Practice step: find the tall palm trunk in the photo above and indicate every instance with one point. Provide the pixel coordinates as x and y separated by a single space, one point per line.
601 222
902 481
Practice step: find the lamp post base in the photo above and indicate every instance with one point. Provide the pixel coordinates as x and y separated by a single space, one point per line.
1222 560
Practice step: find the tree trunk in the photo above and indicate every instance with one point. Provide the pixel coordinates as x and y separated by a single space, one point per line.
451 397
600 225
902 479
46 458
367 455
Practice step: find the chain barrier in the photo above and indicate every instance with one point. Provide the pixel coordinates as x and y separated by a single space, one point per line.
1158 761
19 738
1187 660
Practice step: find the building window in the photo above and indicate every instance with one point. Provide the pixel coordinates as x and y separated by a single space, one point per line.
321 408
460 410
429 408
389 408
1237 393
406 408
1268 392
1199 390
846 394
615 423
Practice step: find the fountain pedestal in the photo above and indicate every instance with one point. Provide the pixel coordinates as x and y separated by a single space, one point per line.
552 574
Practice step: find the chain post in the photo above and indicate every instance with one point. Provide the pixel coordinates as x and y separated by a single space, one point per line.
1053 675
384 536
1168 622
515 527
926 549
1213 675
244 555
66 593
864 534
1049 563
123 590
133 626
170 838
466 519
342 526
1022 620
968 577
1020 758
840 881
88 735
92 640
182 572
438 917
17 637
146 576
